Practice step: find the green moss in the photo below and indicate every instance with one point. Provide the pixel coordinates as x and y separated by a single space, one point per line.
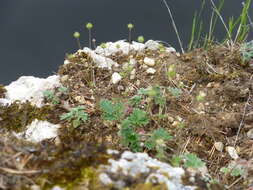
18 115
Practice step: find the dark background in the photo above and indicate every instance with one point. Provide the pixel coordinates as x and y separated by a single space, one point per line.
35 35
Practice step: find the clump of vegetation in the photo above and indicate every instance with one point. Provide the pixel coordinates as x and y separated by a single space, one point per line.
76 116
111 111
51 97
157 141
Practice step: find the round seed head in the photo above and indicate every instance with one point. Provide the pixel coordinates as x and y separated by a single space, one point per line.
89 25
76 35
103 45
130 26
140 39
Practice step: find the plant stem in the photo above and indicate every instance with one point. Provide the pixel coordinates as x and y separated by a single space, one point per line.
174 25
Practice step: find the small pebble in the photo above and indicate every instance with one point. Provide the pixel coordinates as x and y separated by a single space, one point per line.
250 133
232 152
150 62
219 146
151 71
116 78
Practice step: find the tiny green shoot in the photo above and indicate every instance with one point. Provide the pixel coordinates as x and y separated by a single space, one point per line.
140 39
50 96
77 116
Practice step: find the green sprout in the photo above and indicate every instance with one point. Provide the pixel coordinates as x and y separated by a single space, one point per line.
247 51
130 138
161 47
50 96
130 26
117 46
157 141
192 161
89 26
140 39
77 116
201 96
76 35
135 100
176 92
111 111
138 118
171 73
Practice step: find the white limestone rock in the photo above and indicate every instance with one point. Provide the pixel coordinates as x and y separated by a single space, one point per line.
149 61
30 88
152 45
100 60
116 77
140 165
151 71
38 131
119 46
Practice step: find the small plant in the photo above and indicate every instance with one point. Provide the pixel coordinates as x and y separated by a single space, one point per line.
161 47
176 92
127 132
138 118
77 37
111 111
171 73
89 26
130 26
103 46
201 96
77 116
117 46
50 96
140 39
247 51
233 170
63 90
157 142
155 95
192 161
135 101
130 138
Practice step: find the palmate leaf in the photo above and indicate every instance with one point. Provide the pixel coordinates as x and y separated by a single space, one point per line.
111 111
130 138
192 161
138 118
159 135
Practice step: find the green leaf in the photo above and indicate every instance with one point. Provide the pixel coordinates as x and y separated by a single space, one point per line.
77 115
130 138
111 111
176 160
157 139
138 118
192 161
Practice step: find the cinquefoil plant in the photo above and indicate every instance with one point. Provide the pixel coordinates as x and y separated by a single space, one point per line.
77 116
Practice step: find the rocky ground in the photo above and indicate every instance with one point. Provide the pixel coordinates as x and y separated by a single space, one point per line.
191 116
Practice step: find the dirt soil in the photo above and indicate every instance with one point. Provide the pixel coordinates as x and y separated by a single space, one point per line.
223 115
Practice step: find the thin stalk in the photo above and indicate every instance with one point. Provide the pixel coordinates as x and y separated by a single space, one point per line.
174 25
193 31
243 29
222 20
